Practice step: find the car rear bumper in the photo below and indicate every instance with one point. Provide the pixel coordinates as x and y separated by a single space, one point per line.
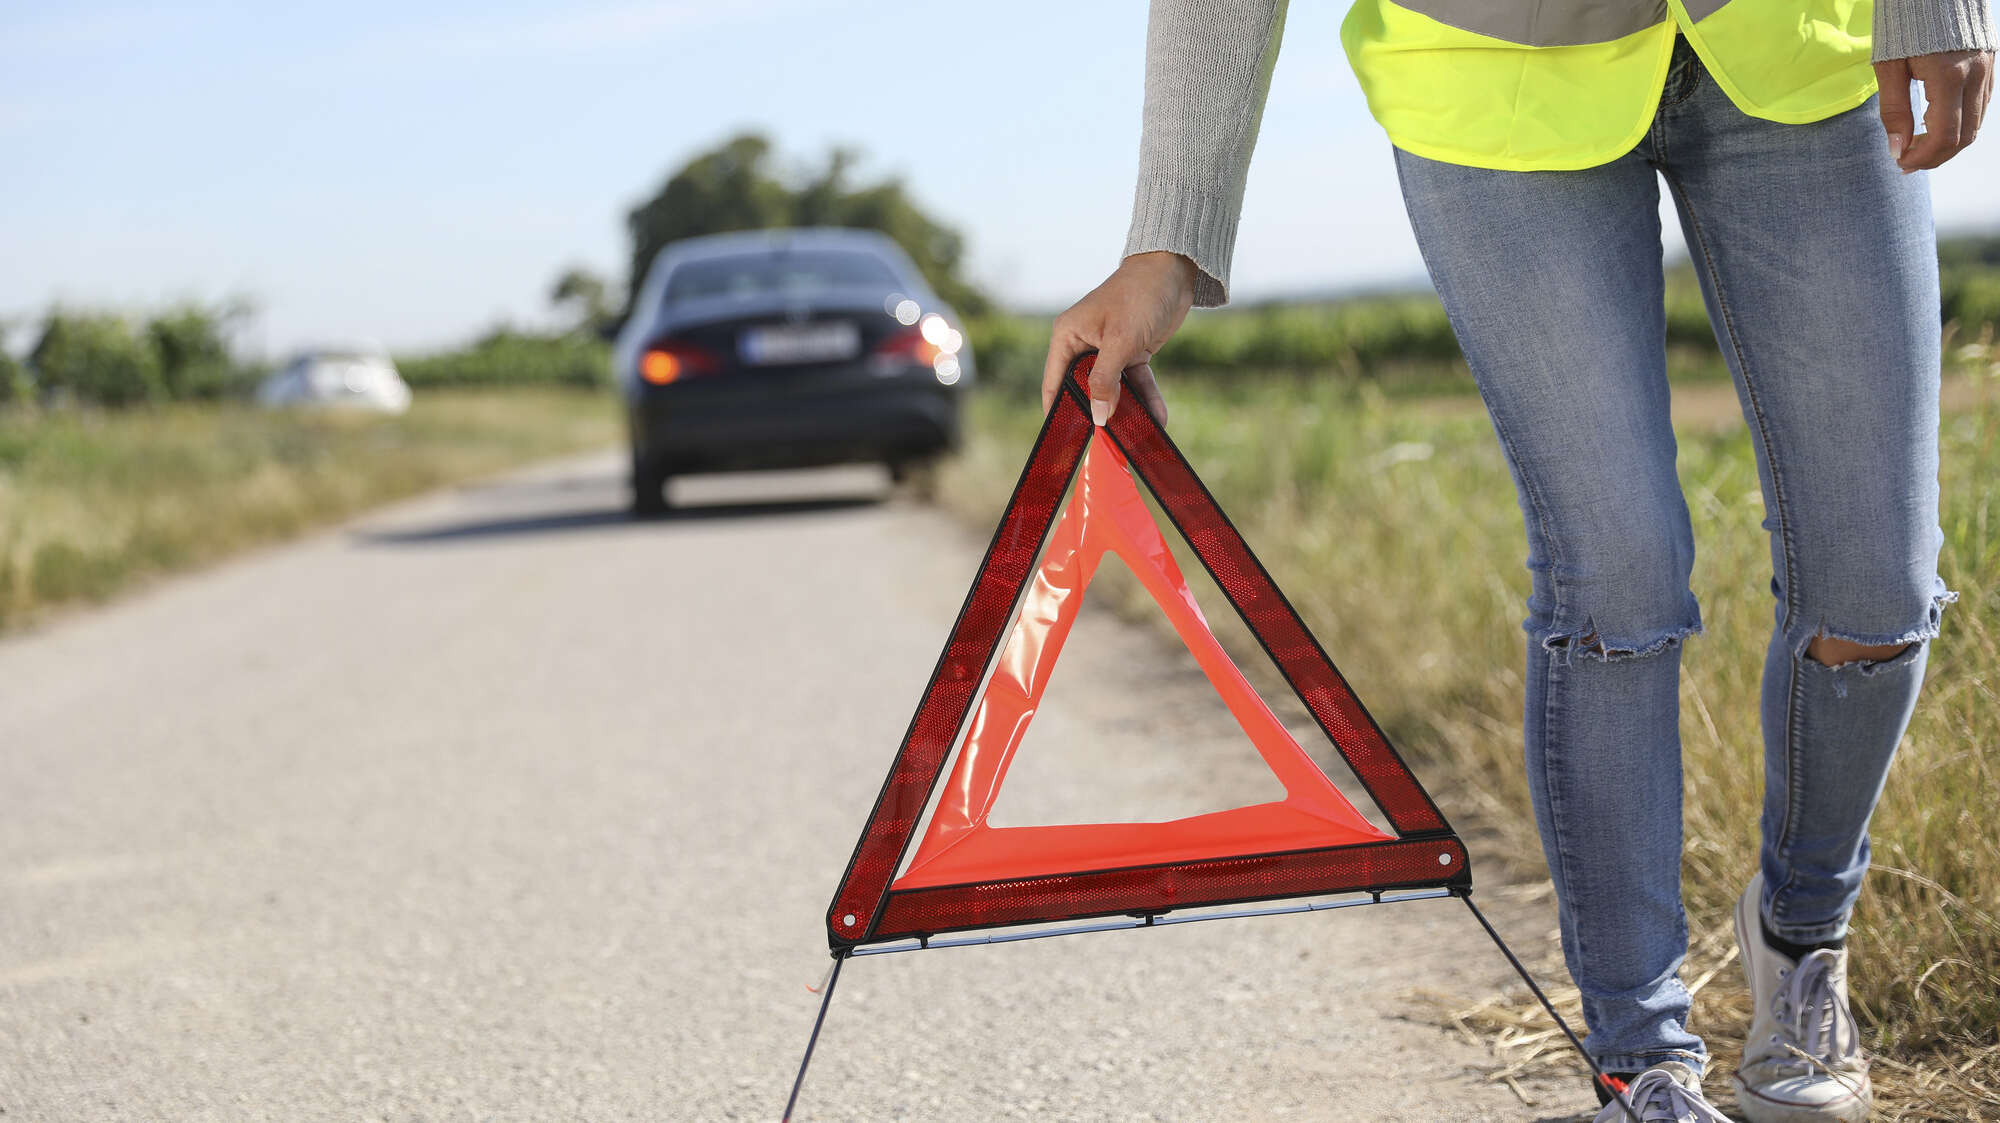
696 428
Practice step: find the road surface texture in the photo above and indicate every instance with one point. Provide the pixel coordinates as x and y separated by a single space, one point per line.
499 806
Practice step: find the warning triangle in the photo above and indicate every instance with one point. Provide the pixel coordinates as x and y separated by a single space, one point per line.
1105 514
968 874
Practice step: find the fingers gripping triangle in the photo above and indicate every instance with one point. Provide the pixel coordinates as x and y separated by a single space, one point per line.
968 874
1105 514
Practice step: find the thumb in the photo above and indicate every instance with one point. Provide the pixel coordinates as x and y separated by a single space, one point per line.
1112 359
1897 118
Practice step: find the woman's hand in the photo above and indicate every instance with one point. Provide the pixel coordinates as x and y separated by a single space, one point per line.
1957 86
1127 318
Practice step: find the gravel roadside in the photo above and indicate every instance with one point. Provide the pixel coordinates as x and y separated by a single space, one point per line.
497 806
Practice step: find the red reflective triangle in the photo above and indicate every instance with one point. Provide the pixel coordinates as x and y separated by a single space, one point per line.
1105 514
967 874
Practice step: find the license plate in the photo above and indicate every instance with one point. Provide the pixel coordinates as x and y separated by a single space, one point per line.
800 343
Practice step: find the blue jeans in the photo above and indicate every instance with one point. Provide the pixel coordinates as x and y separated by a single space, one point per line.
1818 262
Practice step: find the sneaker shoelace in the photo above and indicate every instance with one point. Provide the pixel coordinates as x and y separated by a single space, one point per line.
1661 1099
1815 1026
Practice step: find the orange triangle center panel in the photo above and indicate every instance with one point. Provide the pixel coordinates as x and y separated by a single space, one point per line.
1105 514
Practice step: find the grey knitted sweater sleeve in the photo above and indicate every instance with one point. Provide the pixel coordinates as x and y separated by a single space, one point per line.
1208 70
1907 28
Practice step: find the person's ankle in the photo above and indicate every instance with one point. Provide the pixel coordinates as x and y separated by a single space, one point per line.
1796 952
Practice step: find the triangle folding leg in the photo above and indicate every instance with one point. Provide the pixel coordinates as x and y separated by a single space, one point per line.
967 874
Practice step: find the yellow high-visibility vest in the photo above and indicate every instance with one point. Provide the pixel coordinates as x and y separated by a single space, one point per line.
1547 85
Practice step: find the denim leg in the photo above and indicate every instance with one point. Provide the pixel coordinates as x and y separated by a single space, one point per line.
1603 756
1818 262
1829 736
1554 286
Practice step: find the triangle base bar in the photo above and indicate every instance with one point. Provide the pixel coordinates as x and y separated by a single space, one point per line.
1403 864
1126 922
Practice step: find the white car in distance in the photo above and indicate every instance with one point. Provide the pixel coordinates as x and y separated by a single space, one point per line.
357 376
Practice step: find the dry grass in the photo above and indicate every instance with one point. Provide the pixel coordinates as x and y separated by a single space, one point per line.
1941 1085
1393 527
91 502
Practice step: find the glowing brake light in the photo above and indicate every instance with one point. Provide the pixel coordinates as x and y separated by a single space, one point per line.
660 367
671 360
910 345
931 343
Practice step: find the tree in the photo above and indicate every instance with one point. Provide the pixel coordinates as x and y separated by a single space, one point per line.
938 250
115 360
14 386
192 343
585 296
733 188
98 358
727 189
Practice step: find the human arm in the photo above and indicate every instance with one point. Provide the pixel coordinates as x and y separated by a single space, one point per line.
1948 46
1208 69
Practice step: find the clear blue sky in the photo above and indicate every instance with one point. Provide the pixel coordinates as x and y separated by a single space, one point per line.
419 171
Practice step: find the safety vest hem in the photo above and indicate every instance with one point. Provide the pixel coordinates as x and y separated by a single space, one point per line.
1804 117
1514 163
1691 29
1566 159
1800 117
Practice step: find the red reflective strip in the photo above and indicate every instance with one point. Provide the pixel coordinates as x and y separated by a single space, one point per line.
1271 617
989 609
1405 864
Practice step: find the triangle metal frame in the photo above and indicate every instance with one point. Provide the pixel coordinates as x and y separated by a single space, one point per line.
1425 854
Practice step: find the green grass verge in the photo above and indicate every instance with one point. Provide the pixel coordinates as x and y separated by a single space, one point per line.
512 359
91 501
1393 526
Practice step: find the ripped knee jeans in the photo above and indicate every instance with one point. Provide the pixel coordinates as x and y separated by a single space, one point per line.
1817 261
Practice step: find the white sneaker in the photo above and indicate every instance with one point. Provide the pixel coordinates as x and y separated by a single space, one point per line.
1802 1062
1665 1093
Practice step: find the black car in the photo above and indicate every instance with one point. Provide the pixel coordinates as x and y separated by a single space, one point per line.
786 349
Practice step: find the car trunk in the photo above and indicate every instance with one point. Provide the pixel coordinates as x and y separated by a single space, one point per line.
773 343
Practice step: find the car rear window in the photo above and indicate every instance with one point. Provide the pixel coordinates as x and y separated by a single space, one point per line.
789 272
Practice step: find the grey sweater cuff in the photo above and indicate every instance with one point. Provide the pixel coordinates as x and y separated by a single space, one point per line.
1208 70
1199 226
1907 28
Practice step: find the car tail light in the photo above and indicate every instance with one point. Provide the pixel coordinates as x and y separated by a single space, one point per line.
909 345
671 360
932 343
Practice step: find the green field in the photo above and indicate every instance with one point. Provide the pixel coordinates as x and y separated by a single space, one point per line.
94 500
1393 526
1403 343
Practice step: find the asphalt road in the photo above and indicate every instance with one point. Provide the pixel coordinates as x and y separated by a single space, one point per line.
498 806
